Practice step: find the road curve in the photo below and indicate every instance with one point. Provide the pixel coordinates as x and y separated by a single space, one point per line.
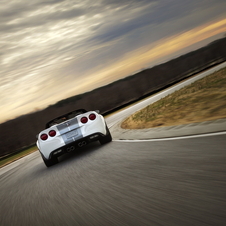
172 182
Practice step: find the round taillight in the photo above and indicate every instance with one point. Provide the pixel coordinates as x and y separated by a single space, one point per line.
52 133
92 116
84 120
44 136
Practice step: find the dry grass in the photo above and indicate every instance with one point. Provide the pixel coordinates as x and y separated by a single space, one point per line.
203 100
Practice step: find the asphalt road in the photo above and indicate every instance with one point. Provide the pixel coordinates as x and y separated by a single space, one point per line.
169 182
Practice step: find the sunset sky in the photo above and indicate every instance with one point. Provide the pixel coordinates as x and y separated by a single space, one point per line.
54 49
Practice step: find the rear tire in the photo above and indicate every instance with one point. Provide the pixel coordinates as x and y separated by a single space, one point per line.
107 138
50 162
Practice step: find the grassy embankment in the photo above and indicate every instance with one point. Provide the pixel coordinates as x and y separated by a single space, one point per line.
12 158
204 100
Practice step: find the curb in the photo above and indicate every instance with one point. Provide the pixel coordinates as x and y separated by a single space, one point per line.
218 125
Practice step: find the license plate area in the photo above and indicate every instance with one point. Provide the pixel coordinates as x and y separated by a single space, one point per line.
73 133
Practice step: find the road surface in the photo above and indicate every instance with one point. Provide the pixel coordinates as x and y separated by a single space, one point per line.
173 182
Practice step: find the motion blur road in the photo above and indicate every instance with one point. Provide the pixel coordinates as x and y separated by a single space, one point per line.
165 182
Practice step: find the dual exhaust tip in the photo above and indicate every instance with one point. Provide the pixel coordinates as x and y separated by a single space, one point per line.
80 144
72 148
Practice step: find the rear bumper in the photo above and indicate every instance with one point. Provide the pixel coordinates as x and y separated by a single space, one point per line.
75 145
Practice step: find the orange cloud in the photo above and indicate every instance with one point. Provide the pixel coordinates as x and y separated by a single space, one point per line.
140 58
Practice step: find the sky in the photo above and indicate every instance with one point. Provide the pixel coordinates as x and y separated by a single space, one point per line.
54 49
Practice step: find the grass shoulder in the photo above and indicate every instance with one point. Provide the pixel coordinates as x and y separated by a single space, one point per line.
203 100
6 160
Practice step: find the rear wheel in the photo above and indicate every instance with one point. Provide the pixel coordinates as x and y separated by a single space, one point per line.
49 162
107 138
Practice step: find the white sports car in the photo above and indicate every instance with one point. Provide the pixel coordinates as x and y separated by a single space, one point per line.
69 131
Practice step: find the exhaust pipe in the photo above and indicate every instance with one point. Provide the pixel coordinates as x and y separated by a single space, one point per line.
80 144
69 149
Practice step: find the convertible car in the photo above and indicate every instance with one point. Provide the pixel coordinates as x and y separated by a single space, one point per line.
70 131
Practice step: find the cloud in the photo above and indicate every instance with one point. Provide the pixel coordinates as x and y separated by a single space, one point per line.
49 47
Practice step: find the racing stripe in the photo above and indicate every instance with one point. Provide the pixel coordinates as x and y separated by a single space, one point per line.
70 130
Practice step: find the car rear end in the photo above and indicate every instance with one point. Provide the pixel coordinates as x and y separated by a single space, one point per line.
70 134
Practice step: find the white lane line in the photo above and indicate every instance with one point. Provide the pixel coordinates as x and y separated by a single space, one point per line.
176 138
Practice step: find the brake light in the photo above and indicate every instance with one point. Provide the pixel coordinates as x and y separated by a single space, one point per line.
84 120
52 133
44 136
92 116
